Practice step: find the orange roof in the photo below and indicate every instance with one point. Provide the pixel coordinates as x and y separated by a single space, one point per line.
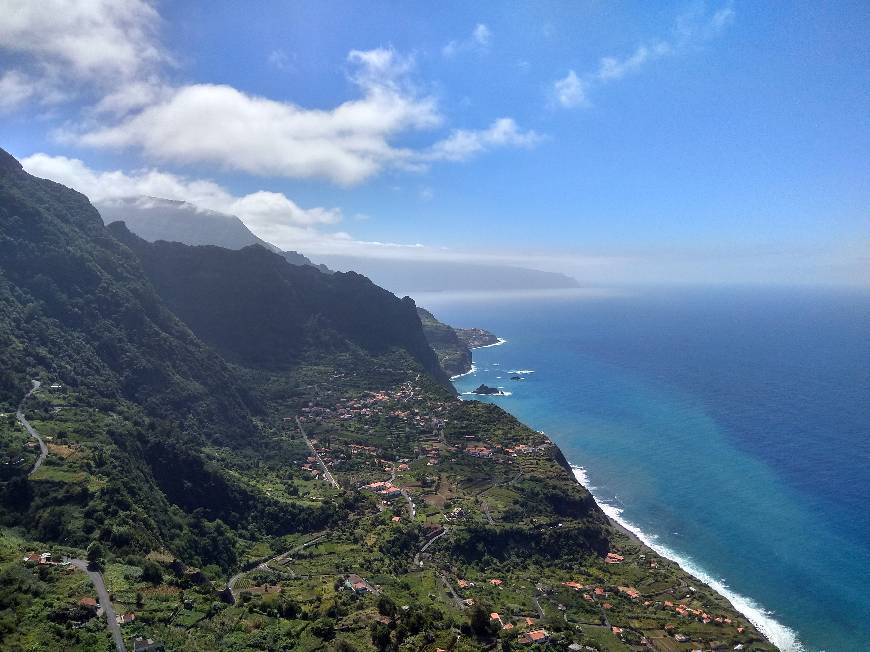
538 635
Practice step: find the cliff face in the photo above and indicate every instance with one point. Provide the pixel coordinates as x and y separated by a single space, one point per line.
453 354
258 310
76 302
453 345
153 218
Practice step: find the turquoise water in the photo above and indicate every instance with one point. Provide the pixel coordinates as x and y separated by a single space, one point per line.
729 428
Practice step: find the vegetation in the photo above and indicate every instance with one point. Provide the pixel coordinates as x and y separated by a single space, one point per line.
188 464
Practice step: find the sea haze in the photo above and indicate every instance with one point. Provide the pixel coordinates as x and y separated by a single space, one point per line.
730 427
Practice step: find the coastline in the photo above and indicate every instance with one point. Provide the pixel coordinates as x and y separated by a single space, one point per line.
473 367
782 636
499 342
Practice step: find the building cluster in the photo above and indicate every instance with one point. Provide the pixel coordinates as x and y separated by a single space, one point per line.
42 558
385 489
406 403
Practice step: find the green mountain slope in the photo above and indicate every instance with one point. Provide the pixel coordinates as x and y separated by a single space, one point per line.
258 310
76 304
279 471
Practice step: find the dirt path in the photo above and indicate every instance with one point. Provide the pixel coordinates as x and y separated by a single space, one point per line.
231 584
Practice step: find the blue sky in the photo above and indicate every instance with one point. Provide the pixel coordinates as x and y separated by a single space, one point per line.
705 142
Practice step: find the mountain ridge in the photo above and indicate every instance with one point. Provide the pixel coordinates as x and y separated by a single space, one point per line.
155 218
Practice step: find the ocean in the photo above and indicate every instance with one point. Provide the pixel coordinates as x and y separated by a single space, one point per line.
729 428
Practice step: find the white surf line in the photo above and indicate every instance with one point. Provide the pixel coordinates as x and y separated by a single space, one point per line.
780 635
467 373
500 341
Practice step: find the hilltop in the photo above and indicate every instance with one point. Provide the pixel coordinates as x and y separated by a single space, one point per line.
154 218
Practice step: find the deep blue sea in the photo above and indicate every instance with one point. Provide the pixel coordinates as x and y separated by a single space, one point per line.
729 428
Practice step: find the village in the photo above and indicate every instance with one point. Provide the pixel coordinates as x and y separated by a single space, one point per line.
432 481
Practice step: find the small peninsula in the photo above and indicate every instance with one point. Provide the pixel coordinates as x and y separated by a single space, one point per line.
453 346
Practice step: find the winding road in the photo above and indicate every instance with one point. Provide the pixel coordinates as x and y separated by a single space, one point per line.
19 414
97 580
425 547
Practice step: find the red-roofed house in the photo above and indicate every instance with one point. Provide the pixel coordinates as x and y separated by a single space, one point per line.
539 636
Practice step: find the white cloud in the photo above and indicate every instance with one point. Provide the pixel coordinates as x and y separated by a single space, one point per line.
261 210
481 35
106 54
102 42
204 123
281 60
462 144
691 28
479 40
612 68
15 89
570 91
132 96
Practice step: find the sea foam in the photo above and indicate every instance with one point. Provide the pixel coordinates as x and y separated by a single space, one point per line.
780 635
467 373
500 341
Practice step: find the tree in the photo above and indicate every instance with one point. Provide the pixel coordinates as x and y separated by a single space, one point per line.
324 628
96 553
480 623
386 607
380 636
151 572
288 608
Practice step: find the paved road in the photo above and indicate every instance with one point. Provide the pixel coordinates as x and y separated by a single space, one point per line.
326 472
43 449
103 595
412 508
459 603
538 606
425 547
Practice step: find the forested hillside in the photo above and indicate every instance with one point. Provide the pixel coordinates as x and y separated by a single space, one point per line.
257 309
252 455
